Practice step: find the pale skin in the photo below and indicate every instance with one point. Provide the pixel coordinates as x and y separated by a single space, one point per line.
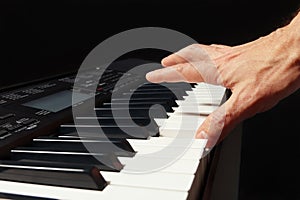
259 74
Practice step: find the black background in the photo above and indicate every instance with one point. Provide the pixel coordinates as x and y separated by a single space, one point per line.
44 38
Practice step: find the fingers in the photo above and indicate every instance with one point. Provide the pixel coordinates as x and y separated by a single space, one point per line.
178 73
172 59
190 64
201 71
191 53
218 124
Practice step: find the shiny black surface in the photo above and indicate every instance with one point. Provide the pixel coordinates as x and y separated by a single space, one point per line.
270 153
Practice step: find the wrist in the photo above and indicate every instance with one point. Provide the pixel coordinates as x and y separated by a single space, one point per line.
289 37
293 32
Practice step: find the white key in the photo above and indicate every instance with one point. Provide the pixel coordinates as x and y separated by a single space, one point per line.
205 100
182 120
186 119
111 192
184 114
206 85
207 90
193 125
168 152
165 141
199 97
174 133
160 121
204 110
200 101
204 93
183 166
157 180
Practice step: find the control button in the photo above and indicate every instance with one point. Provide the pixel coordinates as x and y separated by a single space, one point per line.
7 116
13 127
31 127
32 91
4 134
13 96
21 129
30 121
24 121
42 112
20 121
46 86
2 101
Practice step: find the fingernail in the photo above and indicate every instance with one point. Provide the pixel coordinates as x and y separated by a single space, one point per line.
163 62
150 75
206 152
207 149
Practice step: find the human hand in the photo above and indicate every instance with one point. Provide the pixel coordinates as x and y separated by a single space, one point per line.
259 74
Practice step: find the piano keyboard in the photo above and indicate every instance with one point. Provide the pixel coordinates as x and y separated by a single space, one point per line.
156 161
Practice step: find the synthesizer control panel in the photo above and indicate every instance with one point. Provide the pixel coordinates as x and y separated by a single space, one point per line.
37 109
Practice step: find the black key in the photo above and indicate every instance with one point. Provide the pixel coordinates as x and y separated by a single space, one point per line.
157 112
155 88
119 147
162 91
175 91
140 104
168 101
154 94
141 121
3 133
30 121
179 85
105 162
85 177
146 123
108 87
6 116
109 131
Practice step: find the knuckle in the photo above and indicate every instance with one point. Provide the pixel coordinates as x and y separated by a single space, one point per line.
179 68
193 46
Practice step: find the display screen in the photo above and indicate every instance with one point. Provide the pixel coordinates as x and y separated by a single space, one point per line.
58 101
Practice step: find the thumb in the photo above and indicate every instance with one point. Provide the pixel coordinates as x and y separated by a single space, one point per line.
218 124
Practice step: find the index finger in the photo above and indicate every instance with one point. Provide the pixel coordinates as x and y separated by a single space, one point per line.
172 59
191 53
176 73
